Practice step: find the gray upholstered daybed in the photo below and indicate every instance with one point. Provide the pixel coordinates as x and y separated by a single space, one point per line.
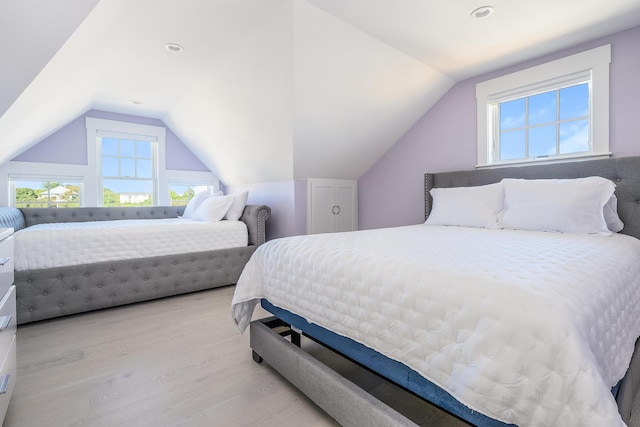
52 292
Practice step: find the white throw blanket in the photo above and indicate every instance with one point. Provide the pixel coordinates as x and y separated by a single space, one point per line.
75 243
529 328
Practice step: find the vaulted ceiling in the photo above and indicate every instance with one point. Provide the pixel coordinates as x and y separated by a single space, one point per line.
269 90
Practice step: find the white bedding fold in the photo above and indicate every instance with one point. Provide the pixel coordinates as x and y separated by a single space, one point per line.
529 328
74 243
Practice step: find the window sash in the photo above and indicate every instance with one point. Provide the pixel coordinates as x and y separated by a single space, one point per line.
550 75
559 84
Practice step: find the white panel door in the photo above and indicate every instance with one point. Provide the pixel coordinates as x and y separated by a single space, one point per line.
321 205
331 205
345 213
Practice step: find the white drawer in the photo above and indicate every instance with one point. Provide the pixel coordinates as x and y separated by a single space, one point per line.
7 378
6 264
7 320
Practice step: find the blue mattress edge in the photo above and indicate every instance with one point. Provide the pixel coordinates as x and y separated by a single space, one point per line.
387 368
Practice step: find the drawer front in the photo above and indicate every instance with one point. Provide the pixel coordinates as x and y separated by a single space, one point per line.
6 264
7 320
7 379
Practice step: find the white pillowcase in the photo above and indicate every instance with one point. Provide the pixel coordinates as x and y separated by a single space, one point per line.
564 205
466 206
614 223
213 209
237 207
194 203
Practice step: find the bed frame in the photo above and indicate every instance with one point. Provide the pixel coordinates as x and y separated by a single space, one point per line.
52 292
352 406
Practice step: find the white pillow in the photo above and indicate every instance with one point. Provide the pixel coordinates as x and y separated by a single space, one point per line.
564 205
237 207
213 209
194 203
466 206
614 223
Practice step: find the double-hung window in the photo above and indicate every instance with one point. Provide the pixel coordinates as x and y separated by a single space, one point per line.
128 159
128 169
554 111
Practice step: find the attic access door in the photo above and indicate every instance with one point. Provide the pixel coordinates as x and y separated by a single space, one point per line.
332 205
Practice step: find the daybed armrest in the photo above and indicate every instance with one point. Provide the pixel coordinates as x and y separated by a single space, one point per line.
11 218
256 216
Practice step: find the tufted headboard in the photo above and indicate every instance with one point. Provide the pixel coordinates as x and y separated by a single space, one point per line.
623 171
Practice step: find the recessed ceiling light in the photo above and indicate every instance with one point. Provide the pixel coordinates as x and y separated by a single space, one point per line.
173 47
482 12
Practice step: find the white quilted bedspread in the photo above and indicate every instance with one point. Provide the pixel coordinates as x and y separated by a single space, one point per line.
529 328
75 243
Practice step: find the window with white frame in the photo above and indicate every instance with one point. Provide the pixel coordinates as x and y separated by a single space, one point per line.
128 158
128 169
554 111
29 191
180 193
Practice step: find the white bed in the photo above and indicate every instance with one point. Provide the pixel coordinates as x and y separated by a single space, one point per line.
76 243
538 338
502 323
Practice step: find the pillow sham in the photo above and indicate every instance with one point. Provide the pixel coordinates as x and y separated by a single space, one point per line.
194 203
563 205
466 206
614 223
237 206
213 209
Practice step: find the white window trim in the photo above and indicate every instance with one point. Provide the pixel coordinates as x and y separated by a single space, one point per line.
94 126
42 176
525 82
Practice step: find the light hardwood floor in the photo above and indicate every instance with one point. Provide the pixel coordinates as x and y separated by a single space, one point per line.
178 361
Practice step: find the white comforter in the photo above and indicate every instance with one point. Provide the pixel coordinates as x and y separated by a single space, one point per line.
529 328
75 243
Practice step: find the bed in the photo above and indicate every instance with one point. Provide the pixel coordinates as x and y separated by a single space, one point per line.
426 307
54 279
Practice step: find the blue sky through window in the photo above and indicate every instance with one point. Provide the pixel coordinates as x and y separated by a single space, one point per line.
545 124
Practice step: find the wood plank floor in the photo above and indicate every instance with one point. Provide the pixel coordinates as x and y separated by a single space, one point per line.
178 361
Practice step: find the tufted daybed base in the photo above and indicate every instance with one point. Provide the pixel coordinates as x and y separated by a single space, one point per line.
52 292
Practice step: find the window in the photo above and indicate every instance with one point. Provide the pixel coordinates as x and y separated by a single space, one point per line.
180 194
45 192
128 170
554 111
129 160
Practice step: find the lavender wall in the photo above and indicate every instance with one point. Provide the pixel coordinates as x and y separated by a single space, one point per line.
68 144
280 197
444 139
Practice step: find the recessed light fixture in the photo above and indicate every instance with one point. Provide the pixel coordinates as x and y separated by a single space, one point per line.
482 12
173 47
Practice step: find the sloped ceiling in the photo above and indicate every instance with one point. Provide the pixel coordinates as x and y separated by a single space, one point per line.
269 90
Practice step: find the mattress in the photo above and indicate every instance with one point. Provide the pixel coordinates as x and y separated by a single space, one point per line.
75 243
528 328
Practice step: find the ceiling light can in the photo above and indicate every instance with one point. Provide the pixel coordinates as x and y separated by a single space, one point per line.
482 12
173 47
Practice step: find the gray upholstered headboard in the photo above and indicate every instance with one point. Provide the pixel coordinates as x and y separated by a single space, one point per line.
623 171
